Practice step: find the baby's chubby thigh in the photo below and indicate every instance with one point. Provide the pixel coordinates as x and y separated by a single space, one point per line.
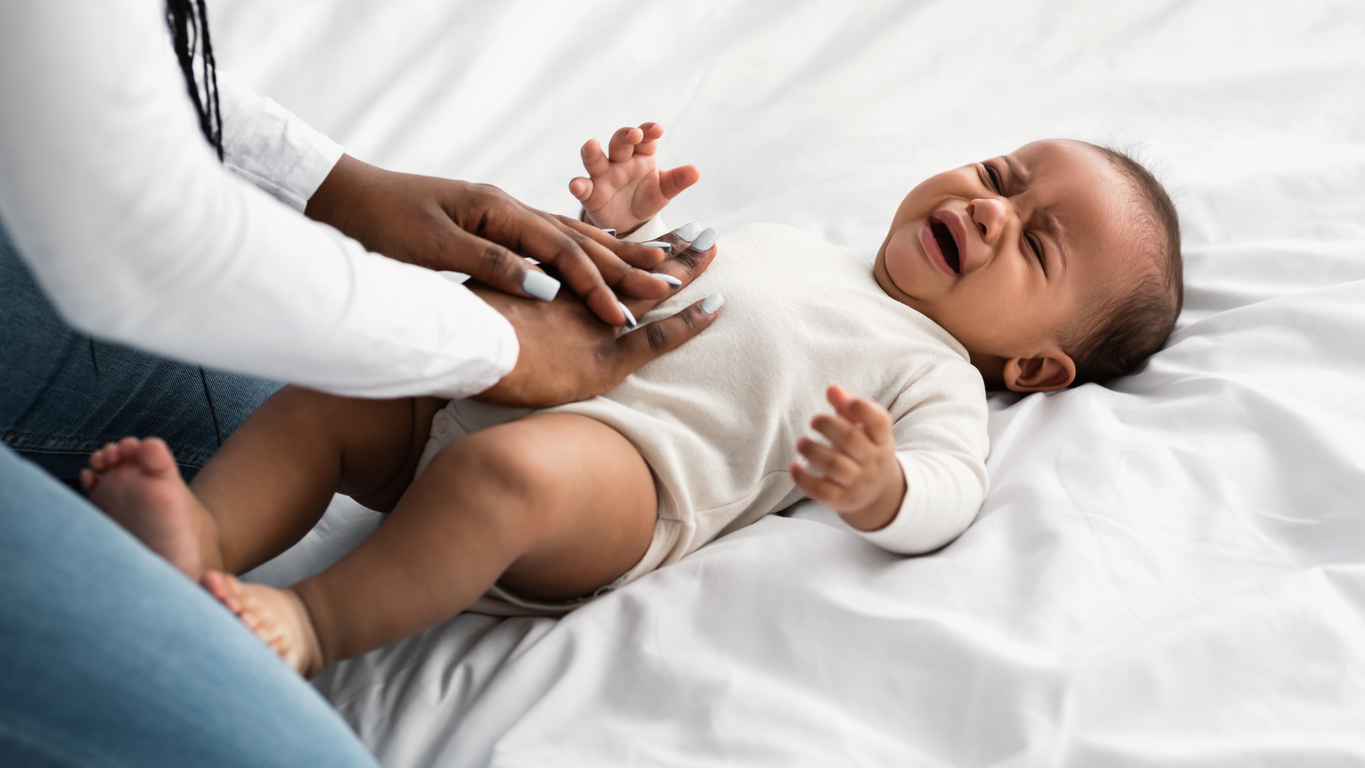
570 498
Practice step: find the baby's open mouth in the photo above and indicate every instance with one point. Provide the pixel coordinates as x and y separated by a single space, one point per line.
946 244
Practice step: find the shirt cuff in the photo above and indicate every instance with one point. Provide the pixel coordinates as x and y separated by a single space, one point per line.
653 229
268 146
942 497
500 359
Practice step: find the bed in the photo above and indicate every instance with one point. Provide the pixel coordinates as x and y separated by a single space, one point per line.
1169 570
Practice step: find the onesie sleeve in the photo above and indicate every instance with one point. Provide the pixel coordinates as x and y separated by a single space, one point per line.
941 445
268 146
651 230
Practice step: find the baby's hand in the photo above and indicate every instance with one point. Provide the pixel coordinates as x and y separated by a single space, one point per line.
625 188
860 477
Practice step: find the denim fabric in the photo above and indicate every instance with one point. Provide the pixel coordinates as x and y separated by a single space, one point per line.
63 394
111 657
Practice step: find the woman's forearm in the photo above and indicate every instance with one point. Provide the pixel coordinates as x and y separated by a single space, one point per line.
139 234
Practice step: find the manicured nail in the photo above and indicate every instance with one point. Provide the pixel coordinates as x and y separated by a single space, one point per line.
630 319
713 302
667 247
705 240
672 281
688 231
609 231
540 285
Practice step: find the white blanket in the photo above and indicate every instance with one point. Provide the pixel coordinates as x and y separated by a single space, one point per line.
1169 571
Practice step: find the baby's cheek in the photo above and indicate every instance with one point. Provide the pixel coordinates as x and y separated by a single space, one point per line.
900 252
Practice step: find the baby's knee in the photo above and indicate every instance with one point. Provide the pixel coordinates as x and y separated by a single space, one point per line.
498 473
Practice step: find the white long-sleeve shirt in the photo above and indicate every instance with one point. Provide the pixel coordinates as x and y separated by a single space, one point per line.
140 235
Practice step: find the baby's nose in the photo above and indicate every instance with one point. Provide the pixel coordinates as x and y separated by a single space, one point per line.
988 214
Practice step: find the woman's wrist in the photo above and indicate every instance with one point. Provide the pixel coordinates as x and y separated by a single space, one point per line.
338 192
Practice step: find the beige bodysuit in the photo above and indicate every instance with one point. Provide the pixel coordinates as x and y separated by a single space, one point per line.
717 420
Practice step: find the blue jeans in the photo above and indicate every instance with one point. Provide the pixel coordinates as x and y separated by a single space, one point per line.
111 657
108 655
63 394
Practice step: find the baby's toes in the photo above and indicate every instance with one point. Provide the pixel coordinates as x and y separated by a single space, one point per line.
217 584
99 458
127 449
155 457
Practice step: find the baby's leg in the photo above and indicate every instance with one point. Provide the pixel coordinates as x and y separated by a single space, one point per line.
557 505
268 484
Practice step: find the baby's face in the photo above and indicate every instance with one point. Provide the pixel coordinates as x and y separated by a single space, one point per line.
1007 254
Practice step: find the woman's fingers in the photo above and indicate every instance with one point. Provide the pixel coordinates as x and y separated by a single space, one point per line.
497 266
492 260
617 260
640 346
687 259
588 267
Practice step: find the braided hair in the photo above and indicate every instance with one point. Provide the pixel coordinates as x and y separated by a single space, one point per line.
189 23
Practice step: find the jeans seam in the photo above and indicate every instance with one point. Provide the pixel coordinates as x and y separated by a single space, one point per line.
11 433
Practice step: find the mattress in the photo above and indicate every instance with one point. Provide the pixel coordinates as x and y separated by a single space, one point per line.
1168 571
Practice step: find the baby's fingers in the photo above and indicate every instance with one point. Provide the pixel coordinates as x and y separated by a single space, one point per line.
622 144
845 435
871 416
594 162
650 134
581 188
675 181
816 487
833 465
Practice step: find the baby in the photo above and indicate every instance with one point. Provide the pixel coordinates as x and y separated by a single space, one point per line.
1056 264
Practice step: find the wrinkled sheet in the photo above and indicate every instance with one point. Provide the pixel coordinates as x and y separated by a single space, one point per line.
1169 571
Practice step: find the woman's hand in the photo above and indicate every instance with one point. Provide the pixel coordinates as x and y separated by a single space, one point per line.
567 354
859 476
625 188
483 232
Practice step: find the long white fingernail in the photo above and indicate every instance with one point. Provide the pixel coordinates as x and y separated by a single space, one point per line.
609 231
688 231
705 240
713 302
668 247
540 285
630 319
672 281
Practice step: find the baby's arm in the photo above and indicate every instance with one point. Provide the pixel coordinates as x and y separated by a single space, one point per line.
860 477
908 501
625 188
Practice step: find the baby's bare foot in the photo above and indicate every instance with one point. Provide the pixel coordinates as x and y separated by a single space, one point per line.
277 616
137 483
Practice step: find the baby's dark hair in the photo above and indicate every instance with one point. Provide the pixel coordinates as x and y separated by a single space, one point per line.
1122 332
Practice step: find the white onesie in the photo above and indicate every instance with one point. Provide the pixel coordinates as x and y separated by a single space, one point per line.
717 420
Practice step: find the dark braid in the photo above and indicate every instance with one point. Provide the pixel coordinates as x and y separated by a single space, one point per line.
189 23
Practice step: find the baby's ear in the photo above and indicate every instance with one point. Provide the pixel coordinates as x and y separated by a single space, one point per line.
1045 373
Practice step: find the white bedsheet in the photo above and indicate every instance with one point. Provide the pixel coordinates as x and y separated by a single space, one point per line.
1169 571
